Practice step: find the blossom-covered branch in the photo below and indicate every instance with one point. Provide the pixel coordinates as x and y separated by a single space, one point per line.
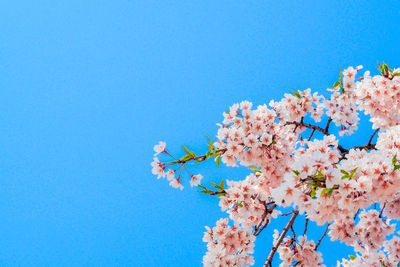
314 176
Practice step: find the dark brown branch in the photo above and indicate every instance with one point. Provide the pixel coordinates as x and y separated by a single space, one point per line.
319 129
283 234
322 237
310 126
327 124
380 214
355 215
305 226
309 138
372 136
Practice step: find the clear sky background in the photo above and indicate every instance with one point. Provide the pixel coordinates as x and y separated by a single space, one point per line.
88 88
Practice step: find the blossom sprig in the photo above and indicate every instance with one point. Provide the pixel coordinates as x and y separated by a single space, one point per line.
387 72
220 189
165 169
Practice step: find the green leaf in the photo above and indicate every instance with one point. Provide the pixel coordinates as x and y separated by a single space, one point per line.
253 168
385 67
313 193
394 159
221 194
215 185
217 159
324 191
210 146
341 76
353 172
396 74
202 186
186 150
335 85
296 172
344 172
380 68
296 94
396 167
222 184
330 191
186 157
352 257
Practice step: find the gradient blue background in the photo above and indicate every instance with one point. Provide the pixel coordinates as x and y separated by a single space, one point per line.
88 87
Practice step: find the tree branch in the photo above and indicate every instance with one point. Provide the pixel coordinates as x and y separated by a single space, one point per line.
322 237
283 234
372 136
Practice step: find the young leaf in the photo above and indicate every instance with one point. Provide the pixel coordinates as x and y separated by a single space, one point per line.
186 150
352 257
313 193
296 94
186 157
215 185
341 76
335 85
210 146
217 159
296 172
330 191
353 172
324 191
202 186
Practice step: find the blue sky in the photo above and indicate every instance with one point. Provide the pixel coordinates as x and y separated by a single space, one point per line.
88 88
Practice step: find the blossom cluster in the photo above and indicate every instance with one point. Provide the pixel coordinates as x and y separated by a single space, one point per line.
228 246
354 191
301 253
246 202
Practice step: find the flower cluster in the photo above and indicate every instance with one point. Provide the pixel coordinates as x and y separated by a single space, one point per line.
246 202
254 138
296 106
228 246
341 107
379 97
301 253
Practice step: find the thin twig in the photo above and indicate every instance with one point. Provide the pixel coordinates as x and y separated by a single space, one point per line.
355 215
322 237
317 128
309 138
294 234
285 230
372 136
305 226
380 214
286 214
